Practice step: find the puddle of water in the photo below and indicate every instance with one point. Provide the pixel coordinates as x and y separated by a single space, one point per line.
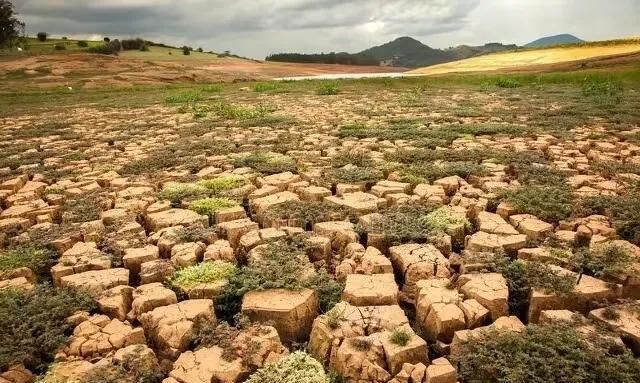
343 76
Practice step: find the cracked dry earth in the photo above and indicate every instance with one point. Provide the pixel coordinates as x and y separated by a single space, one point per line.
119 194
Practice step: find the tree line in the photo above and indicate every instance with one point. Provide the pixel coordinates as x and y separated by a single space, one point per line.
324 58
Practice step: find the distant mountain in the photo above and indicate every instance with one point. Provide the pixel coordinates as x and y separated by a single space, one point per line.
554 40
402 52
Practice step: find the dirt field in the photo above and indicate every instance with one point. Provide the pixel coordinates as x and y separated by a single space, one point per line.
155 226
537 59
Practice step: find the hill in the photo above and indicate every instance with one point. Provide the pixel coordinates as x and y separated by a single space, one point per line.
554 40
537 58
403 52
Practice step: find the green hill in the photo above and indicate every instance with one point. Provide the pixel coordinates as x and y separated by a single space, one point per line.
554 40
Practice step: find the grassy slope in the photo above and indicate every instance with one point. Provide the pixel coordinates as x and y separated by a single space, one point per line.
524 58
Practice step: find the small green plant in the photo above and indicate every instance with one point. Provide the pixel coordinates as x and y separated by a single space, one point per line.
601 260
328 89
297 367
401 224
334 316
82 210
507 82
400 337
38 259
266 87
549 203
33 324
353 174
176 192
603 91
184 97
221 184
205 272
209 206
308 213
266 163
357 158
443 218
212 88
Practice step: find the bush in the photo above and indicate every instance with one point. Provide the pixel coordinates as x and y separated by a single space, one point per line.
82 210
42 36
549 203
266 163
442 219
106 39
401 224
601 260
308 213
205 272
353 174
133 44
60 47
33 324
328 89
429 172
108 48
38 259
400 337
222 184
297 367
623 211
209 206
186 50
283 264
506 82
357 158
83 44
553 353
177 192
130 370
603 91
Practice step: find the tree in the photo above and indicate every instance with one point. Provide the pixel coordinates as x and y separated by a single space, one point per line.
186 50
42 36
10 27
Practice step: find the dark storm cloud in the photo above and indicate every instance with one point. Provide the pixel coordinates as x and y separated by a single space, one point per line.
259 27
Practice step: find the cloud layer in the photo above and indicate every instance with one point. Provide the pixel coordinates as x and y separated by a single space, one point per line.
259 27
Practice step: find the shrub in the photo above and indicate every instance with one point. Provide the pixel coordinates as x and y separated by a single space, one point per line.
553 353
38 259
400 224
353 174
549 203
106 39
328 89
82 210
83 44
236 112
176 192
33 323
205 272
297 367
108 48
222 184
506 82
209 206
400 337
528 174
308 213
602 90
183 98
429 172
186 50
443 218
601 260
266 163
361 344
42 36
357 158
60 47
623 211
282 265
130 370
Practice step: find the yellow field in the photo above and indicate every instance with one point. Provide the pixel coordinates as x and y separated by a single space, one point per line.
513 60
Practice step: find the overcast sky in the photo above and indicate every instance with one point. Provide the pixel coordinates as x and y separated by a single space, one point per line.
256 28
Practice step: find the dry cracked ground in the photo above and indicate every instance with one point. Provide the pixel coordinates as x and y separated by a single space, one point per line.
356 231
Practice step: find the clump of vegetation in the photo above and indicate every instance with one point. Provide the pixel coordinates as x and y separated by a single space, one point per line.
184 97
36 258
222 184
623 211
549 203
601 260
82 210
237 112
610 313
522 277
176 191
42 36
531 174
33 324
357 158
283 264
266 163
401 224
266 87
308 213
334 316
400 337
361 344
298 367
507 82
328 89
83 44
209 206
443 218
603 90
353 174
130 370
429 172
205 272
557 353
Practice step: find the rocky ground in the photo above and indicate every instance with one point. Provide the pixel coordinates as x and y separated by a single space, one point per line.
366 230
